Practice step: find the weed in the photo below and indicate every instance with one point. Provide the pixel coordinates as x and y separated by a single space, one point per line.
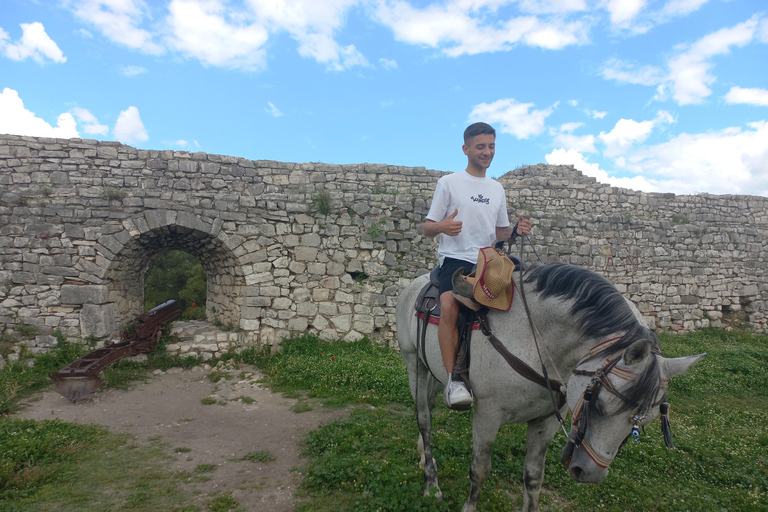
114 193
217 375
222 503
679 219
374 231
246 399
323 201
182 449
260 456
208 400
301 406
205 468
25 330
45 190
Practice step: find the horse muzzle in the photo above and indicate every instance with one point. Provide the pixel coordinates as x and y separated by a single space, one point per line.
581 465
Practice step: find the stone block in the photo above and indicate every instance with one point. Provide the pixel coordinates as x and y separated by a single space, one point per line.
97 320
84 294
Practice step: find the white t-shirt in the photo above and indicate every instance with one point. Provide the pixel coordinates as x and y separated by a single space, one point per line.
482 205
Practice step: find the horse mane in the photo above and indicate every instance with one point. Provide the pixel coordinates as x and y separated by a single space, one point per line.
601 310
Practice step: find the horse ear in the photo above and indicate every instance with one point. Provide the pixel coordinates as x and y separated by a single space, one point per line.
637 352
680 365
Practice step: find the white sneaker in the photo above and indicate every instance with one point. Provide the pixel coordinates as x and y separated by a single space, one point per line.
456 395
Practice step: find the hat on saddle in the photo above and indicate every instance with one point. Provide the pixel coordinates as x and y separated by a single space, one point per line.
490 284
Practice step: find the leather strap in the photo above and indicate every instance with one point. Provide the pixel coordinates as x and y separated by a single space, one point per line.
518 364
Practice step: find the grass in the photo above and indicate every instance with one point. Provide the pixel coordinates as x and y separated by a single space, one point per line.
59 467
260 456
368 460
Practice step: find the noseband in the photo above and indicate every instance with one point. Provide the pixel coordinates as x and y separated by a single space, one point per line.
600 379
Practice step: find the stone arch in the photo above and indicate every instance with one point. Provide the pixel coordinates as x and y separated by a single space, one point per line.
157 231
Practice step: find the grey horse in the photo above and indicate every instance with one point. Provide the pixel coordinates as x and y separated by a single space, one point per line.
587 333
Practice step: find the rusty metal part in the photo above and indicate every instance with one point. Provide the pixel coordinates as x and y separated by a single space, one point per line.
80 377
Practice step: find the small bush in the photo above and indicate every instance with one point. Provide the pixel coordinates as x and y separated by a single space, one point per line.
323 201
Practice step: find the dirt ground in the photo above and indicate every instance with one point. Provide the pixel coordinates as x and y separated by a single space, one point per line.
244 418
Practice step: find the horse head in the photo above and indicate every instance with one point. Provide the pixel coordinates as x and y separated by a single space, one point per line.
611 399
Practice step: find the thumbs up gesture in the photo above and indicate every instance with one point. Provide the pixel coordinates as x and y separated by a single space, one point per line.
451 226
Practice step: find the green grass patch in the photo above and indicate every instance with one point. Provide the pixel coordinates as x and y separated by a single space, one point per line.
60 467
205 468
222 503
260 456
369 461
338 372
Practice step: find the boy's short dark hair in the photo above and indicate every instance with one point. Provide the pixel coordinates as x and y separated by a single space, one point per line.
478 129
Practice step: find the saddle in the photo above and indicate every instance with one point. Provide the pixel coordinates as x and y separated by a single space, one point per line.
428 311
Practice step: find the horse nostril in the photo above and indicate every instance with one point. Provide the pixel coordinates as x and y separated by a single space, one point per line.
576 473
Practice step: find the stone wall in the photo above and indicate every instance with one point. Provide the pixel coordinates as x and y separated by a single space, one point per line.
293 247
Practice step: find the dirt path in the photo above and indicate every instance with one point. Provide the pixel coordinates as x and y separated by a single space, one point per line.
244 418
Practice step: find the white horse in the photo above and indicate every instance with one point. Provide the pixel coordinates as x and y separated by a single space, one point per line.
588 333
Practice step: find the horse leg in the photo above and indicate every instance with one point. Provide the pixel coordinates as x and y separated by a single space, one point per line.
485 427
426 392
538 438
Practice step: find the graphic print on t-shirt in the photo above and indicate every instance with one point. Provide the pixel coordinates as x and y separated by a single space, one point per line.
481 199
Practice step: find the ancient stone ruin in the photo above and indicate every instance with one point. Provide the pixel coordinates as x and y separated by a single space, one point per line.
289 247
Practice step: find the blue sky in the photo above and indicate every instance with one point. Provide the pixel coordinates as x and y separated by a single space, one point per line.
654 95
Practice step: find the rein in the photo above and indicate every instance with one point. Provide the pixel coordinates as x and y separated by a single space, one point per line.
599 379
556 404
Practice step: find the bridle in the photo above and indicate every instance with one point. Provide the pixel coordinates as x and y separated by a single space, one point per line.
600 380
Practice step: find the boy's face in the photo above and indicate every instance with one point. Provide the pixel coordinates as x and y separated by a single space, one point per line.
480 150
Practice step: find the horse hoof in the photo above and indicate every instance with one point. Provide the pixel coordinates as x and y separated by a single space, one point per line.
435 492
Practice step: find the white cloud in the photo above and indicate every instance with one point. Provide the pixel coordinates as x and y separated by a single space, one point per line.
118 21
576 159
689 71
313 25
596 115
729 161
621 71
208 31
623 11
582 144
680 8
129 129
91 124
388 63
515 118
273 110
552 6
131 71
16 119
749 96
628 132
34 43
461 27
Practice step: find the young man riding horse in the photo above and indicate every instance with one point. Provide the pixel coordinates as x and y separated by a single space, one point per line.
472 197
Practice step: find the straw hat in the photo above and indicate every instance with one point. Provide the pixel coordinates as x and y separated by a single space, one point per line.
492 281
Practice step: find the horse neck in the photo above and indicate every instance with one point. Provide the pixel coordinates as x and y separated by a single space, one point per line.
558 335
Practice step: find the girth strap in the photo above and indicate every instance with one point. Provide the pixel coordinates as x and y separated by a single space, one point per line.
518 364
